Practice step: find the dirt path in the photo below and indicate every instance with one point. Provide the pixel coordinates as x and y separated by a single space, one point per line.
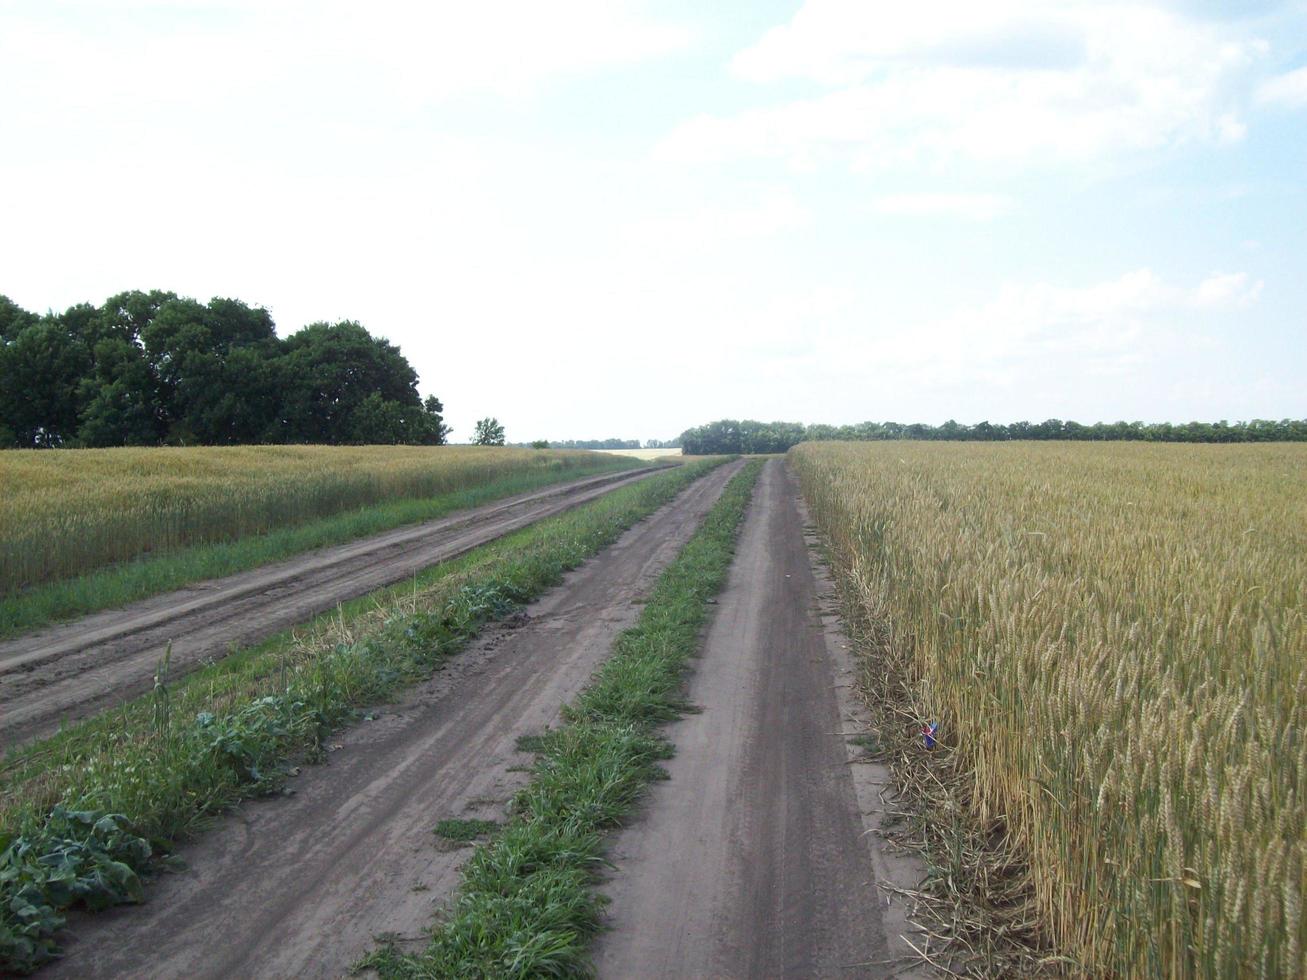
755 859
299 886
78 668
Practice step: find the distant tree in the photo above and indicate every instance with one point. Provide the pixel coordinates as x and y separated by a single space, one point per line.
328 370
128 315
41 368
722 436
597 444
151 367
748 436
243 402
376 421
212 367
121 398
13 318
488 433
540 444
435 432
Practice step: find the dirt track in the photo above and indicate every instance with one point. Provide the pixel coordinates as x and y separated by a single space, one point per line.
76 669
298 886
758 857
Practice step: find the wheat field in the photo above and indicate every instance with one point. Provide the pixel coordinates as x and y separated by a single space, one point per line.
66 512
1114 640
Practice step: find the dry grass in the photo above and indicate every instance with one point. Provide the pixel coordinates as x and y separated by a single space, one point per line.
1114 640
66 512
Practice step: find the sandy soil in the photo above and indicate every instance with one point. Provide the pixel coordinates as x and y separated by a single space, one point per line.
758 858
300 885
78 668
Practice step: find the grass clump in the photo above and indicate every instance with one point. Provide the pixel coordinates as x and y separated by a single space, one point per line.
868 742
534 744
164 764
527 905
458 831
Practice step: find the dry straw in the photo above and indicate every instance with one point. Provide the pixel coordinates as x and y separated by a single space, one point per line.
1115 641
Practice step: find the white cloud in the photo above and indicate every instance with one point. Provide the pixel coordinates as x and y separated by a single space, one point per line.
844 41
1009 83
1227 291
471 182
1105 329
321 57
713 225
1289 89
972 207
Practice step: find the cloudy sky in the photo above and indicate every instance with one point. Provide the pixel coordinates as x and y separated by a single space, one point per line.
600 218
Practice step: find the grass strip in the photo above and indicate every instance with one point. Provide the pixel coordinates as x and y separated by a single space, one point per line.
154 574
457 831
527 906
84 813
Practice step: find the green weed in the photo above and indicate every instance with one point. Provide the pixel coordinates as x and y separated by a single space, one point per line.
535 744
464 831
869 741
527 905
166 762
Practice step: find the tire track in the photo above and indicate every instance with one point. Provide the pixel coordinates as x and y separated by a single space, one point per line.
76 669
300 886
756 857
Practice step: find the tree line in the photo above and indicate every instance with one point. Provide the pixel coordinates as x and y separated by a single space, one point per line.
600 444
748 436
154 368
587 443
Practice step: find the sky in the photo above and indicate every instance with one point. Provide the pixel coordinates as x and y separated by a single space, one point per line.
595 218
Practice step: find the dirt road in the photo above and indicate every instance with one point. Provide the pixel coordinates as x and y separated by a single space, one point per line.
756 859
78 668
298 886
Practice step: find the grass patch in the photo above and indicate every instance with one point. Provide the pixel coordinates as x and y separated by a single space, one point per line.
150 575
535 744
465 831
527 905
868 742
138 778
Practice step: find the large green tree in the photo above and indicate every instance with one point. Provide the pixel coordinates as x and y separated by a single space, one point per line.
151 367
13 318
328 370
42 363
436 431
121 398
215 382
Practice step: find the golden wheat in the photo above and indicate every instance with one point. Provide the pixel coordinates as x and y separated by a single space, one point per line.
64 512
1115 639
